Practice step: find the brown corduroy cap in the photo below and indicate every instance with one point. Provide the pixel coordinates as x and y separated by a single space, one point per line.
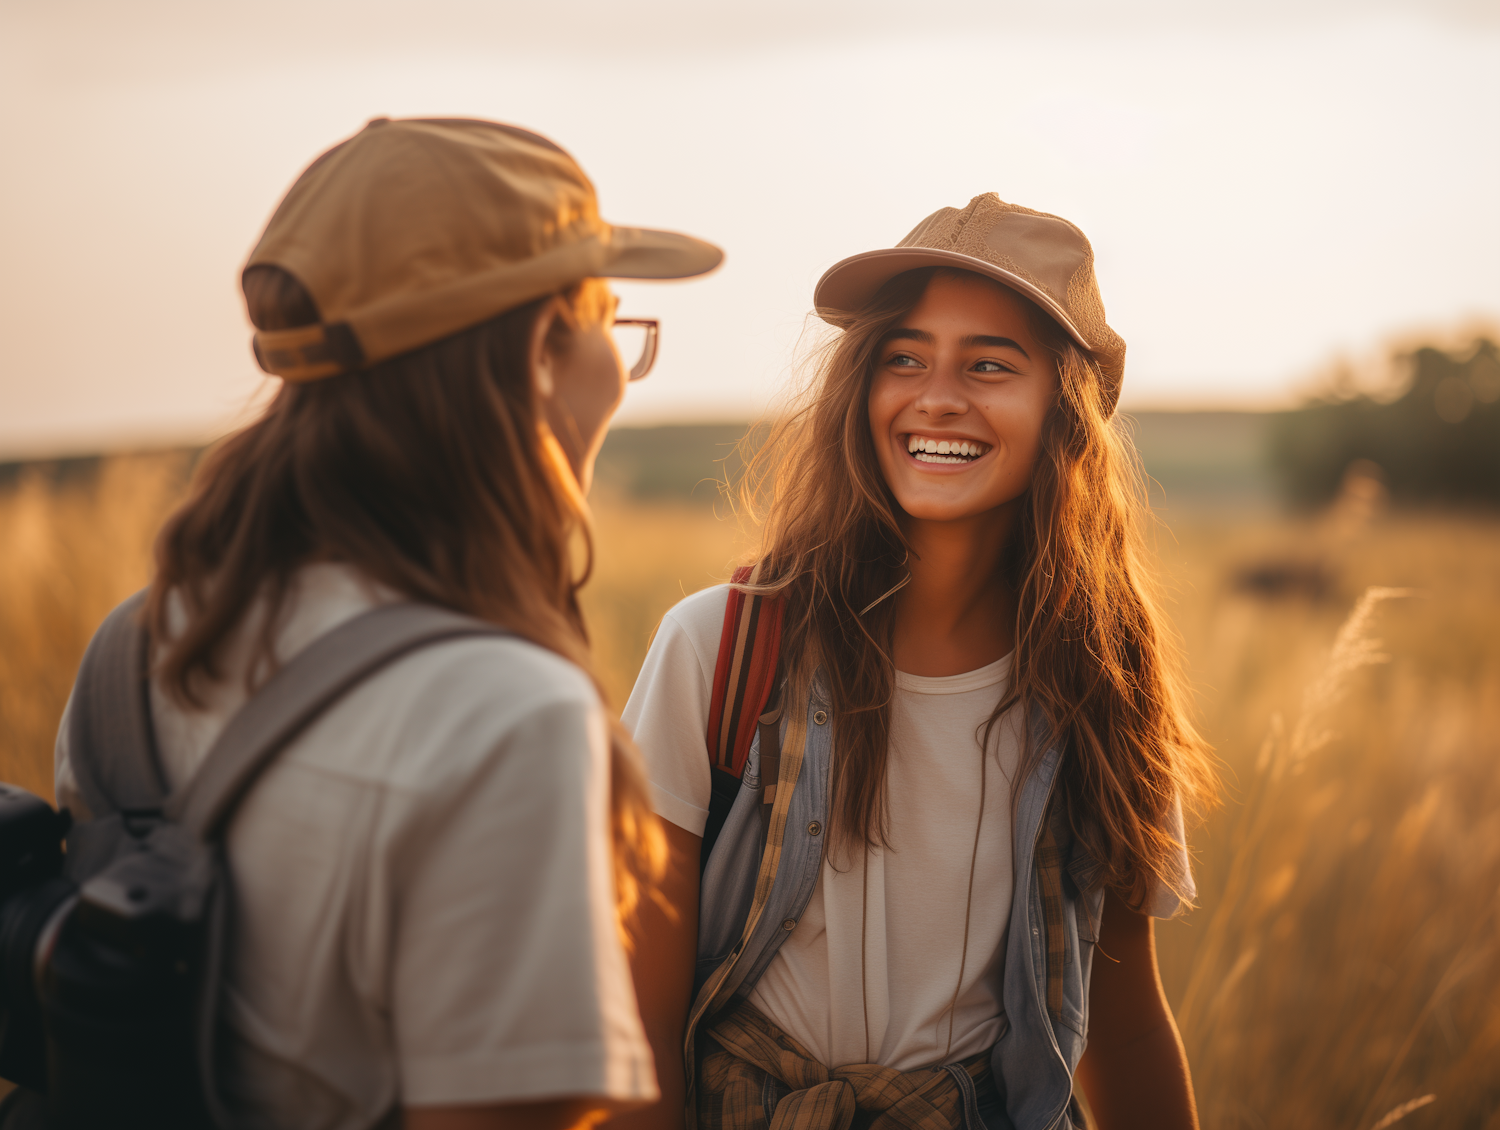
1041 255
413 230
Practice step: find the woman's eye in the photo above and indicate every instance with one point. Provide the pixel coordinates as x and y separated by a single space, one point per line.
990 367
902 360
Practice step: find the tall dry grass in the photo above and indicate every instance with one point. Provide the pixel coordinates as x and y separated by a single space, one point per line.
1342 969
69 552
1344 966
647 558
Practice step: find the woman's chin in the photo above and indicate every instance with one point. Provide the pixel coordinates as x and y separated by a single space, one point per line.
940 510
952 506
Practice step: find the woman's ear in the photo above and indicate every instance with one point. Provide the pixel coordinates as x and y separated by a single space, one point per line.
541 352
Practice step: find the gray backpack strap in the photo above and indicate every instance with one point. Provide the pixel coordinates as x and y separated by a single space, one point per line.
111 748
297 694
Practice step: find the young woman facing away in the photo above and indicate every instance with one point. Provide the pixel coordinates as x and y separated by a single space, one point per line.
983 756
428 882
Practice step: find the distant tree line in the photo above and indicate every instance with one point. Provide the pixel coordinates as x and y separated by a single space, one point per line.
1438 442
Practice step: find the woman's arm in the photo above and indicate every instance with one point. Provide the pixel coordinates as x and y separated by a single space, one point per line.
664 937
664 947
1135 1072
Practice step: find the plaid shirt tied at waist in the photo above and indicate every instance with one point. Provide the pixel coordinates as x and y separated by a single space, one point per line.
737 1086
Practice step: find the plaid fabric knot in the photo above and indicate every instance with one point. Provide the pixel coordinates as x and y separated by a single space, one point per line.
735 1090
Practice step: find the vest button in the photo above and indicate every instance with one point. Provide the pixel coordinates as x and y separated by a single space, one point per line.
820 717
789 925
814 828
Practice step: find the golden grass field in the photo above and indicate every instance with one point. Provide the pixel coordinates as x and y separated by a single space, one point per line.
1343 967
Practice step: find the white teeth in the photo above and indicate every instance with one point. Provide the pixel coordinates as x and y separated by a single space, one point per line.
942 450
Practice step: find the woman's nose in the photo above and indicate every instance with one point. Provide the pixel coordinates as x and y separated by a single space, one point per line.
940 395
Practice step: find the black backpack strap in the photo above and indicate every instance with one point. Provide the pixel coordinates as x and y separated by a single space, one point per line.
297 694
111 748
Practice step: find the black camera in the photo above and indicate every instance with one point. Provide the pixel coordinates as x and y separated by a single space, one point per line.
100 985
33 896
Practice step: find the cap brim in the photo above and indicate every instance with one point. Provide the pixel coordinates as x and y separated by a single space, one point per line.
646 253
848 285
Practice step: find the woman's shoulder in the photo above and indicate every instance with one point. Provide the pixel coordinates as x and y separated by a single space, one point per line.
674 682
699 618
668 708
502 676
504 673
447 714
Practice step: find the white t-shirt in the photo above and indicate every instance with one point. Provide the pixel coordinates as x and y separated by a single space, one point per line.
892 962
424 899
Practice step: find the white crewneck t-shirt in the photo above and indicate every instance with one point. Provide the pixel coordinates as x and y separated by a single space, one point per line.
893 962
424 893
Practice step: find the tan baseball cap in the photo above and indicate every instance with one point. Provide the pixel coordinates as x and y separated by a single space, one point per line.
1041 255
413 230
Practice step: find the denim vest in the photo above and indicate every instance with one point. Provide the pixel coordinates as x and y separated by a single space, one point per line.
761 875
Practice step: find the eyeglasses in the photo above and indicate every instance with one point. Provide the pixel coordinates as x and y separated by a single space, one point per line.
636 338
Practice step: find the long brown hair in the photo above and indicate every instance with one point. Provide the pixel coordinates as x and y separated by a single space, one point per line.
1092 656
431 474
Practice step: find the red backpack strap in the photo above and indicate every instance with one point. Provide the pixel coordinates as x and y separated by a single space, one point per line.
744 674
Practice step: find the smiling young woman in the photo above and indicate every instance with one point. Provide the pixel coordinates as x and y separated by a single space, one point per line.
962 371
974 700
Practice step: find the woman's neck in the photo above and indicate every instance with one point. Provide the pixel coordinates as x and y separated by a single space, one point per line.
957 613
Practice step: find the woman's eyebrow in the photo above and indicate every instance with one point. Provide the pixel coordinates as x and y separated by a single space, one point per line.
907 333
995 343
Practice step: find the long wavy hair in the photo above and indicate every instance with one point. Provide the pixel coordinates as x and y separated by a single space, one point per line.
432 474
1093 657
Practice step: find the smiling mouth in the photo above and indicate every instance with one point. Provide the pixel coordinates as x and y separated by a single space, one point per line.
925 449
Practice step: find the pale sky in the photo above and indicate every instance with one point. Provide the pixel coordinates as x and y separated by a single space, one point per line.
1265 190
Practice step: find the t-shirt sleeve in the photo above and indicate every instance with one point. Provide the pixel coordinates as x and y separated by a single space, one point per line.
509 982
1164 901
64 781
668 708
